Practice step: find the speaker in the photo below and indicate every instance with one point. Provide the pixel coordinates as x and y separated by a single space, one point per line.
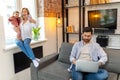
102 40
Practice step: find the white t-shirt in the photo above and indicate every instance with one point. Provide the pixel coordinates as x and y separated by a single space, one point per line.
85 54
26 29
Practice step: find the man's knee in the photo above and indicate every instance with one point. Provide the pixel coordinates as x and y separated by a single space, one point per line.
77 76
103 75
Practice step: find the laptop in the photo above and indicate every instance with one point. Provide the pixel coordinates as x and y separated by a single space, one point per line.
87 66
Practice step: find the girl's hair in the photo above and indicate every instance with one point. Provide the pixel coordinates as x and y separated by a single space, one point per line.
15 12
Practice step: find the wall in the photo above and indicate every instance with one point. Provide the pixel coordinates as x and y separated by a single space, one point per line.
48 11
48 8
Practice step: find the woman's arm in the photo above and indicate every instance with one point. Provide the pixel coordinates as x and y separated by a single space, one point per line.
32 20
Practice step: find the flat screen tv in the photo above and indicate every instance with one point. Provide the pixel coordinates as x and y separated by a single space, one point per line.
106 18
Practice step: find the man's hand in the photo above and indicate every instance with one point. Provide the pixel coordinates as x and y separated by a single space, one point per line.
100 64
74 61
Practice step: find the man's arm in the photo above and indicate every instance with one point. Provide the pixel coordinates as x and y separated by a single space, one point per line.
73 54
102 55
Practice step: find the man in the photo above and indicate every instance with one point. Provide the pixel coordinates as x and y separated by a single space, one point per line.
91 51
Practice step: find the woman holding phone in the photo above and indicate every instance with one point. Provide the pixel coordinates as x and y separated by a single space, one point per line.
26 34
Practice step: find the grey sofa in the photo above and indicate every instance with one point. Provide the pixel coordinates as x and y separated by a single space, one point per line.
54 66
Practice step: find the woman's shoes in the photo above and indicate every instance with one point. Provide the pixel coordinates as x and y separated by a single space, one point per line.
37 59
35 62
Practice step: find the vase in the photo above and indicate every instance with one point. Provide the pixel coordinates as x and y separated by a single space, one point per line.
36 36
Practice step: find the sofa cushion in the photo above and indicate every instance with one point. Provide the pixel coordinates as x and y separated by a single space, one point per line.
54 71
65 52
119 77
113 64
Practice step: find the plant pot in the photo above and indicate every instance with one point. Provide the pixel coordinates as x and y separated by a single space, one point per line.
36 36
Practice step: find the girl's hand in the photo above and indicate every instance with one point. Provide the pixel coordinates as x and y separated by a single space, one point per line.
16 29
13 21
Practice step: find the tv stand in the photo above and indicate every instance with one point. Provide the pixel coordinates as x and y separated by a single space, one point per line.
104 31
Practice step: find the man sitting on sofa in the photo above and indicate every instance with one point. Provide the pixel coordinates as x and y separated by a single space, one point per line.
90 51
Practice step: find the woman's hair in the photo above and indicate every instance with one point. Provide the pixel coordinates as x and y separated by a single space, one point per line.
27 12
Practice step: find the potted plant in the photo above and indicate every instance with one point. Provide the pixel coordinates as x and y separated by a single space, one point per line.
36 33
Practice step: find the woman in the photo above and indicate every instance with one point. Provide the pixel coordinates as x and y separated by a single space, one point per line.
26 33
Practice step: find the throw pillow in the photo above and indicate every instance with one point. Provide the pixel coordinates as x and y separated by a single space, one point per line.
65 52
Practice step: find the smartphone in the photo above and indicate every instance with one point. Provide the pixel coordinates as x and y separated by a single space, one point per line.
29 17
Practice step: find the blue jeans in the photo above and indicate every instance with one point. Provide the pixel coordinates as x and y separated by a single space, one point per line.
100 75
25 47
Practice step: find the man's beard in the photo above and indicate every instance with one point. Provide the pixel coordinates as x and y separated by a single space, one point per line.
86 40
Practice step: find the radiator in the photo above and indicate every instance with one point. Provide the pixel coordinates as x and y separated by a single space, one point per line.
21 61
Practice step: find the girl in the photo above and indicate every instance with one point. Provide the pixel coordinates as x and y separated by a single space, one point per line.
15 21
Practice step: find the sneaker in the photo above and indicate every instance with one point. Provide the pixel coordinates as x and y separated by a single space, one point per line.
70 79
35 62
37 59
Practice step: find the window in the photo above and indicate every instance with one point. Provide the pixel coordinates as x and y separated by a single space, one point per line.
7 8
30 4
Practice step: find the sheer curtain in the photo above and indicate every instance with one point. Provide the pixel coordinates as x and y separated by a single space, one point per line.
6 9
30 4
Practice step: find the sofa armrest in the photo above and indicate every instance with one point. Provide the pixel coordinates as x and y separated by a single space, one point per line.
45 61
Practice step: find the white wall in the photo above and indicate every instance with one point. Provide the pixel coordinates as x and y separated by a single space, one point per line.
6 57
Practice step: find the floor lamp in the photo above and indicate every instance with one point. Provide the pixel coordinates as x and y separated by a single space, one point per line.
58 21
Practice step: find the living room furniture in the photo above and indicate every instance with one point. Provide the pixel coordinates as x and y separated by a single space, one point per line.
54 66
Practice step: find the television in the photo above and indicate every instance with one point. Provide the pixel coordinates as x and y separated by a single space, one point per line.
105 18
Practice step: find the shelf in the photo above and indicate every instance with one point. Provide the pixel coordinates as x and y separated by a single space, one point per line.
67 14
72 32
101 4
106 34
71 7
68 6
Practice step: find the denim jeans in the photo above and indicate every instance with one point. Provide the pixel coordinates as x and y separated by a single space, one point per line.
100 75
25 47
